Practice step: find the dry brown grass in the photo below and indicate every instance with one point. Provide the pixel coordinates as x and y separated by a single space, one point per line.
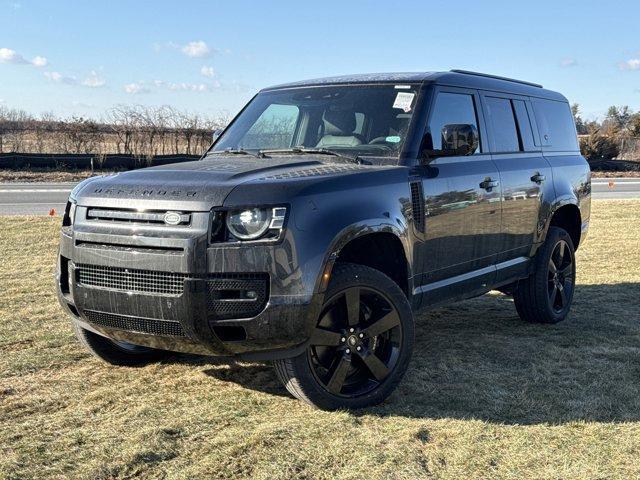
486 396
47 175
630 174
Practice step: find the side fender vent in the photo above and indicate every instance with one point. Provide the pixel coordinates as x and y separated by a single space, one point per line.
417 205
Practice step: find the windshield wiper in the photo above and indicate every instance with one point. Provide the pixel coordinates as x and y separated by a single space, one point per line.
238 151
311 151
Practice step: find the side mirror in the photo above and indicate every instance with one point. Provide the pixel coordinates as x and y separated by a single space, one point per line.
458 139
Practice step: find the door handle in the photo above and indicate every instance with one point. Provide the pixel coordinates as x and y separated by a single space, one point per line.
538 178
488 184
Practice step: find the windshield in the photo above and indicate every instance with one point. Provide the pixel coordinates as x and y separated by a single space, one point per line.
354 120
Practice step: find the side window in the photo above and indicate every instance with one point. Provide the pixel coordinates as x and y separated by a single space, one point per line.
524 125
451 108
275 128
359 123
555 124
503 123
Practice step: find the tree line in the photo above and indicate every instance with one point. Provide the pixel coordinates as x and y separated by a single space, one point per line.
145 132
616 136
140 131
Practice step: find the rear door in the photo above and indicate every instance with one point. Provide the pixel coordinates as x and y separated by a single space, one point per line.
462 205
525 176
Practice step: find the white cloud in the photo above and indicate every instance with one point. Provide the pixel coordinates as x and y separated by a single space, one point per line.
568 62
8 55
186 86
197 49
57 77
135 88
208 71
94 80
631 64
189 87
39 61
11 56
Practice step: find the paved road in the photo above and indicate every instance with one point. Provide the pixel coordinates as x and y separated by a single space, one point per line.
614 188
40 198
33 198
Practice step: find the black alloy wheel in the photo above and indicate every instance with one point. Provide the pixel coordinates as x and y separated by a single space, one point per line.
546 295
561 274
356 343
360 347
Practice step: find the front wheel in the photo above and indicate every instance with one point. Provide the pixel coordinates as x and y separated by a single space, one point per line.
361 346
116 352
545 297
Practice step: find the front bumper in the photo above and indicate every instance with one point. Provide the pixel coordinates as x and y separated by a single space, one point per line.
198 312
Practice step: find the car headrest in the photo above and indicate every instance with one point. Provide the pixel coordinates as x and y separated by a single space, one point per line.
339 122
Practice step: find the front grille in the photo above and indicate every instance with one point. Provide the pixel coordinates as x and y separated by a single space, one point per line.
130 280
135 324
229 295
135 216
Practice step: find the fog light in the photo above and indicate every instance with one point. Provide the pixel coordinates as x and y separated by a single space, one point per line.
251 295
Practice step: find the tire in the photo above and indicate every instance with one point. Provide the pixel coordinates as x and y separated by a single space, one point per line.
546 295
360 349
117 353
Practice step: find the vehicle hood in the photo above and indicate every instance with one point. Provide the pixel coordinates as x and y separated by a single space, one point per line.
199 185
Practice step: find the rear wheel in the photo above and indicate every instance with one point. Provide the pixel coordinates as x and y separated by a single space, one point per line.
361 346
117 352
545 297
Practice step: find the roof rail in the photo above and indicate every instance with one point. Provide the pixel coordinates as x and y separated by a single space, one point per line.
467 72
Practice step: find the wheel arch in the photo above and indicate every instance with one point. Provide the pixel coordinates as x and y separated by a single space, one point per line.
376 244
567 215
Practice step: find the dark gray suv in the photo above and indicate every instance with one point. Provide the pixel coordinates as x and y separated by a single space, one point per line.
322 218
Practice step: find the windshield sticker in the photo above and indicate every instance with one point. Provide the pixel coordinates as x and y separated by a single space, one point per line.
393 139
402 87
404 101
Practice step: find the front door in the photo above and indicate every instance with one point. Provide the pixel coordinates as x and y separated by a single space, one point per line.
462 207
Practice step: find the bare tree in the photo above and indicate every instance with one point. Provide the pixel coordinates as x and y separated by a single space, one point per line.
141 131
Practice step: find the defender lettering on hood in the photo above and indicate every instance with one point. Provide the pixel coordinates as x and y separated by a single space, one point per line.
116 191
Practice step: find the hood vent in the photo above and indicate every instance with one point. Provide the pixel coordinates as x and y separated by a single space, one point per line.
316 171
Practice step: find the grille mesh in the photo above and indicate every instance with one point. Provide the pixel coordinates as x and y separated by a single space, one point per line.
222 292
135 324
134 216
130 280
417 205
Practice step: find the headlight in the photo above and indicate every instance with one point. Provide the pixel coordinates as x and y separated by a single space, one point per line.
69 213
254 223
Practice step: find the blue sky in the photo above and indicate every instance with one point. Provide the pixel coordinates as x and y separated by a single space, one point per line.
81 58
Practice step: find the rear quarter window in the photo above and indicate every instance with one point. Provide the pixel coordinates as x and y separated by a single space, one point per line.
555 125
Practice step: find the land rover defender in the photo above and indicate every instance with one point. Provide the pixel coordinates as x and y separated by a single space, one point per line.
322 219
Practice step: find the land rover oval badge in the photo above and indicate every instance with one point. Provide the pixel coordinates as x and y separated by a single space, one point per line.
172 218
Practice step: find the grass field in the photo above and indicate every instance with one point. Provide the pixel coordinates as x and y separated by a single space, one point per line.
486 396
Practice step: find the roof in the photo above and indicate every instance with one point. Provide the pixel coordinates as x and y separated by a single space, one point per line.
452 78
